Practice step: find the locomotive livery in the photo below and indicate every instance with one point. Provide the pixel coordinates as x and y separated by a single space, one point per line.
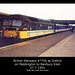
21 26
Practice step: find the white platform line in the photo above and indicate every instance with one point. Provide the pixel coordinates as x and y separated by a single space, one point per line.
62 45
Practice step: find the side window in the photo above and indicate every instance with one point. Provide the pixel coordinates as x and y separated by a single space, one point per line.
29 27
50 27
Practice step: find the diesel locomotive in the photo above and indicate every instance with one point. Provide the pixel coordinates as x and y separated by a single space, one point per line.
21 26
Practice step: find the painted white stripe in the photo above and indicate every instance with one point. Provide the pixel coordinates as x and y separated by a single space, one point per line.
62 45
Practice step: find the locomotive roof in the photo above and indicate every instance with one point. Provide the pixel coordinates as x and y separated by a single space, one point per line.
1 13
20 17
28 18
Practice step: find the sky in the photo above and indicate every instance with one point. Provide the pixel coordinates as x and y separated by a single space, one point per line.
42 11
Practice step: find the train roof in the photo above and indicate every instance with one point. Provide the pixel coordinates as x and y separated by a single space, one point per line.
5 14
28 18
22 17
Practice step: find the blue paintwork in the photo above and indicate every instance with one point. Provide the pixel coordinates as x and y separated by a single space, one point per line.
37 31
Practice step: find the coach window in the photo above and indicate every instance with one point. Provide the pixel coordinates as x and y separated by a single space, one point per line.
24 29
30 28
49 27
25 25
40 25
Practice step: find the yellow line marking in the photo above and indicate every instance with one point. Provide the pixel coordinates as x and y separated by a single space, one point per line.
14 45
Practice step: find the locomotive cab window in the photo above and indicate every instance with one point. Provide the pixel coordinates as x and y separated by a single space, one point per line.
7 22
17 23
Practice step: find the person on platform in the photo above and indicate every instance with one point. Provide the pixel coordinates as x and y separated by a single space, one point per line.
72 29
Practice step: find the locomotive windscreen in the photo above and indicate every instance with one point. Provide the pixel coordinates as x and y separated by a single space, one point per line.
16 23
7 22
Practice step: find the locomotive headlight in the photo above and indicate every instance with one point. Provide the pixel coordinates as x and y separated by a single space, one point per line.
11 35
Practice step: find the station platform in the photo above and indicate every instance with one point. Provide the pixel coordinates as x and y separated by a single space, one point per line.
65 48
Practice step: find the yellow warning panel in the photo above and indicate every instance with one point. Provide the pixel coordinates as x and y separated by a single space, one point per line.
22 34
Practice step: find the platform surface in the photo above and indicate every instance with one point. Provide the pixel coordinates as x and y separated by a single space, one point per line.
65 48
